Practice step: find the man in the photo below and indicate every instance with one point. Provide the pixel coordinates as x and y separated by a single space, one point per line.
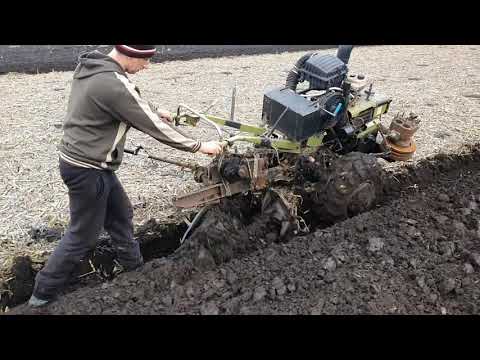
103 105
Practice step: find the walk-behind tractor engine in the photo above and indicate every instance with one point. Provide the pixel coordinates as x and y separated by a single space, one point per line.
315 157
341 104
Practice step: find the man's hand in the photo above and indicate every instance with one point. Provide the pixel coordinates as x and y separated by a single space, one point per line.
211 148
165 115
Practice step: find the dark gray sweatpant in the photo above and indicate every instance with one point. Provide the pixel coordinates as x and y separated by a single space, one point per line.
97 199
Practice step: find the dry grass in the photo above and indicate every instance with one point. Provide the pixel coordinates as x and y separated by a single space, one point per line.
439 83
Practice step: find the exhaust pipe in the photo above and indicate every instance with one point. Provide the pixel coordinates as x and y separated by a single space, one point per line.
343 53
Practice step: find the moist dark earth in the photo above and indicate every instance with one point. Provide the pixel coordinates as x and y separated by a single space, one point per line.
45 58
418 252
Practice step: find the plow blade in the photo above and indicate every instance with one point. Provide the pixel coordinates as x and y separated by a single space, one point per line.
211 194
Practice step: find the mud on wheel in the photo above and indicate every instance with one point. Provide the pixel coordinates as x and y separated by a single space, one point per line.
352 184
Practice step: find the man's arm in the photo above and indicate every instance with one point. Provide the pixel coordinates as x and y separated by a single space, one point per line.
163 114
130 108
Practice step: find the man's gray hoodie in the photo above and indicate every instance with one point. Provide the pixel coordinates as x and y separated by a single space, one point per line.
103 105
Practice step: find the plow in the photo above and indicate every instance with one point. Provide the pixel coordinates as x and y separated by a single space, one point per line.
314 157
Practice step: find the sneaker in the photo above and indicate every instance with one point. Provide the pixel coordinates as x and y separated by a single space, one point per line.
117 269
36 302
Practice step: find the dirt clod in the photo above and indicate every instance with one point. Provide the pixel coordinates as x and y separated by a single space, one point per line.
259 294
441 219
447 286
279 286
468 268
205 260
443 197
291 287
375 244
231 277
330 264
465 211
476 258
209 308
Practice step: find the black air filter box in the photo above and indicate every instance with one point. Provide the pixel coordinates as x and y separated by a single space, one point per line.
323 71
302 119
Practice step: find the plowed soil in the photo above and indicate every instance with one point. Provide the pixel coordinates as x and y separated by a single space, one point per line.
418 252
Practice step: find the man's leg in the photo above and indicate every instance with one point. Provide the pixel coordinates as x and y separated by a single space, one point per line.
119 224
88 194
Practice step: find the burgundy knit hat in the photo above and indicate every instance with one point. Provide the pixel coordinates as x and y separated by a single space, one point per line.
137 51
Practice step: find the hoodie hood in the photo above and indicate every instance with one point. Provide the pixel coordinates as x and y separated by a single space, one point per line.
95 62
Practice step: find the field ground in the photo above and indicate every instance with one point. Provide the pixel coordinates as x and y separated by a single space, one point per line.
417 253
